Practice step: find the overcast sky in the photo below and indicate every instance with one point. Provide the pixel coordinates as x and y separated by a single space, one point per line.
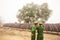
9 9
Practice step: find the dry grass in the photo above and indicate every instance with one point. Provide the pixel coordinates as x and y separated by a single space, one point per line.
15 34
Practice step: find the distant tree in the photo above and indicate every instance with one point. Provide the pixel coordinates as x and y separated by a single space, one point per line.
32 12
0 21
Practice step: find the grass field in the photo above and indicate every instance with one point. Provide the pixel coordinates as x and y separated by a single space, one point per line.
15 34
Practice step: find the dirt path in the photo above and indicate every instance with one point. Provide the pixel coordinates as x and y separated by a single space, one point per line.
9 37
26 36
13 34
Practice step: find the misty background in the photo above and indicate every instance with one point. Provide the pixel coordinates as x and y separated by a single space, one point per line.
9 9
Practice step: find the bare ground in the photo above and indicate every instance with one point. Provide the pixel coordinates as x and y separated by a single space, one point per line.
14 34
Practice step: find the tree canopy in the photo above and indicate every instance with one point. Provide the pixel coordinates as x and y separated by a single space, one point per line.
32 12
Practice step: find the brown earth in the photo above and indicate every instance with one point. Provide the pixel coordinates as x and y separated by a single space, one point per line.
14 34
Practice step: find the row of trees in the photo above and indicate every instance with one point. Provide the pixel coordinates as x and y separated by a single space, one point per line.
32 12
